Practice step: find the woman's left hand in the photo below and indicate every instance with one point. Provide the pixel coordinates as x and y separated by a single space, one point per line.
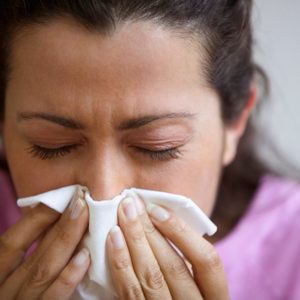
145 266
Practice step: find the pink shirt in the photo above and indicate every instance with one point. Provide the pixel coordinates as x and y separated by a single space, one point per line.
261 255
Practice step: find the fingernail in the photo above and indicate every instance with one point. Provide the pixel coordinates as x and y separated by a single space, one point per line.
139 205
77 204
157 212
129 209
81 257
117 237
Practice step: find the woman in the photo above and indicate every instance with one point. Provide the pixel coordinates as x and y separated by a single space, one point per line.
155 95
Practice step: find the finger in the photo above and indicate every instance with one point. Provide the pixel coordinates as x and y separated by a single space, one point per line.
177 275
126 283
53 253
144 262
67 236
207 266
63 287
16 240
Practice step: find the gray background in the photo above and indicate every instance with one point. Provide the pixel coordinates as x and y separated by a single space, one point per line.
277 35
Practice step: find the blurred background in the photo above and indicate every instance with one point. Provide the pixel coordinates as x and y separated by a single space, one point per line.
277 35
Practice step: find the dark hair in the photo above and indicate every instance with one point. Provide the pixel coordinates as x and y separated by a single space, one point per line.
225 26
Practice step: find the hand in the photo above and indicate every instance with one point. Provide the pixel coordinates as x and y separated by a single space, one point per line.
50 272
145 266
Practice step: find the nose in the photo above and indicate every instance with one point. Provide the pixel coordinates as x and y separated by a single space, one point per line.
106 175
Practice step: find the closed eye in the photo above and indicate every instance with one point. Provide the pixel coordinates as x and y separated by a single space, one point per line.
161 155
50 153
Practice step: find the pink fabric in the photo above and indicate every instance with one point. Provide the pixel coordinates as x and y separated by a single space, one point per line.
261 256
9 212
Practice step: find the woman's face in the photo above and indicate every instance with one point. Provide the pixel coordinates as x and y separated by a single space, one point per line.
110 112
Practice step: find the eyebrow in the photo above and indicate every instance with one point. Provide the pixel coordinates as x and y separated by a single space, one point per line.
62 121
126 125
139 122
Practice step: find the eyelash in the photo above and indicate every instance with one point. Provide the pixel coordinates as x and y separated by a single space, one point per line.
48 153
161 155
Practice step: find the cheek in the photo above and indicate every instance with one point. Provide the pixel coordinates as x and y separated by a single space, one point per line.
30 175
33 176
196 176
205 189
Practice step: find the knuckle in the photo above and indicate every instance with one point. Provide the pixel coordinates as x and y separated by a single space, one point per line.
65 237
57 228
132 292
177 225
137 236
212 261
178 270
66 281
9 249
62 234
153 279
148 227
122 263
40 277
7 244
28 265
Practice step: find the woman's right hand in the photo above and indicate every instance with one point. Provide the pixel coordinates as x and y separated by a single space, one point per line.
51 271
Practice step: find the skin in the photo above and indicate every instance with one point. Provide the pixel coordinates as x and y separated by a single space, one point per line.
114 102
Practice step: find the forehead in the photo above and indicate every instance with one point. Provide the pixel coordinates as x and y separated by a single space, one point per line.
141 64
64 45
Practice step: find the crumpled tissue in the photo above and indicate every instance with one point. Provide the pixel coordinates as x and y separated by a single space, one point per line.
97 284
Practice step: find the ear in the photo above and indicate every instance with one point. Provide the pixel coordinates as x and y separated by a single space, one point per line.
234 131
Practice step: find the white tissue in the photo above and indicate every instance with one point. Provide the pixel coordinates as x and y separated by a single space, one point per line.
97 285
